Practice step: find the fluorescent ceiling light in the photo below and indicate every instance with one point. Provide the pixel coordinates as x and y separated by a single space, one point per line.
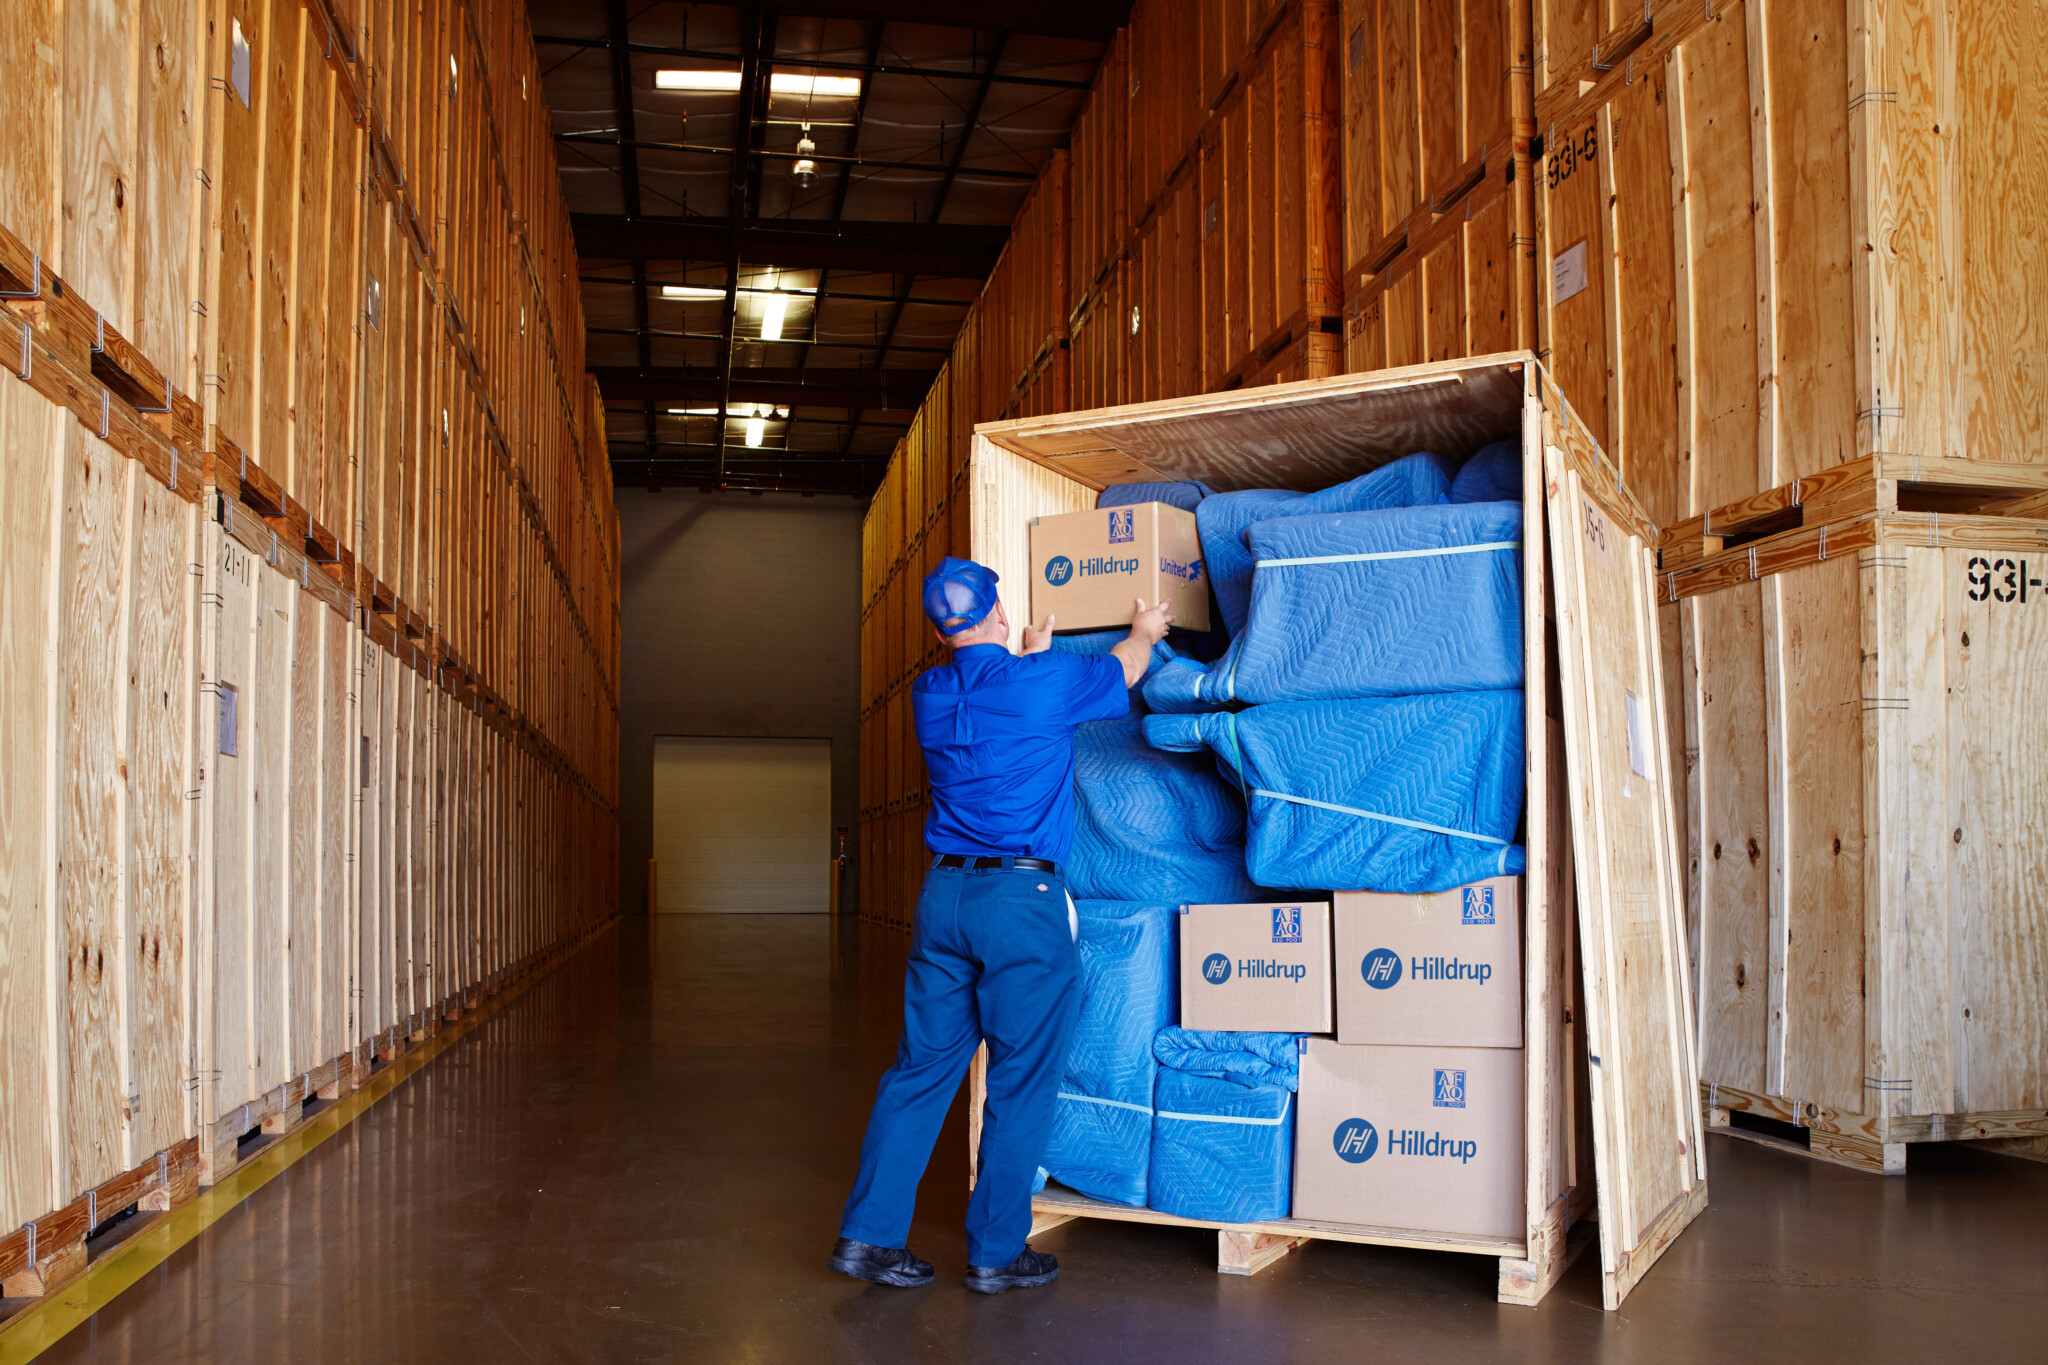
772 312
690 291
779 83
693 412
755 426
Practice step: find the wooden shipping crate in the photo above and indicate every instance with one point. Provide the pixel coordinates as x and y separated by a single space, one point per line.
1776 238
1589 576
1439 211
1024 305
1099 147
1862 688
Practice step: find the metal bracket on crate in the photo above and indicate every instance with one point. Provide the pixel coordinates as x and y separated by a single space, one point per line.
1934 530
167 401
271 559
28 356
35 288
31 1228
92 1210
1671 585
106 412
163 1170
1873 97
202 1078
1752 563
1823 541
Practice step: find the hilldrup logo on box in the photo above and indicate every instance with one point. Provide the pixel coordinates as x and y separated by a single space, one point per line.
1381 969
1286 924
1058 570
1216 969
1356 1140
1123 526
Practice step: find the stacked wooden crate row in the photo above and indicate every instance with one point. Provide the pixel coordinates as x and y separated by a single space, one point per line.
309 577
1782 276
1209 224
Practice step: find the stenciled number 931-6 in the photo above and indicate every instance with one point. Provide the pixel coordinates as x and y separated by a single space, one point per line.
1999 580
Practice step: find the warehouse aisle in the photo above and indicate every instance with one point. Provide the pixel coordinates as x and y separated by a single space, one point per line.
643 1159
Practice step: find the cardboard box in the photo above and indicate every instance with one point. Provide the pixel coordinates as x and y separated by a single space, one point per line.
1256 968
1443 969
1088 567
1427 1139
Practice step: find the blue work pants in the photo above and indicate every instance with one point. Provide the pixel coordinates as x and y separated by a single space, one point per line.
992 957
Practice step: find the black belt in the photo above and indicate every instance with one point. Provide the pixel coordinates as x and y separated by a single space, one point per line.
985 864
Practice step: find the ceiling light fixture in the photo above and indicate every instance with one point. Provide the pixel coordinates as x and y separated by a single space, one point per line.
773 310
806 171
779 83
755 428
690 291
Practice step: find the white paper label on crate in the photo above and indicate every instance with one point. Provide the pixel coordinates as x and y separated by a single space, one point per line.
1568 272
1638 740
238 66
230 719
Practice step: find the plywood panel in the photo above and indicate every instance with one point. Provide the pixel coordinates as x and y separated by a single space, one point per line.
29 445
267 709
158 635
1823 824
1993 650
1734 840
1639 1020
89 835
304 868
228 1046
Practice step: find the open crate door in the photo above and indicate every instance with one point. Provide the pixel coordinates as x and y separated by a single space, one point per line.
1647 1131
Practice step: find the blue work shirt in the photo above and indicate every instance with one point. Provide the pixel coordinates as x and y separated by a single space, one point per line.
997 731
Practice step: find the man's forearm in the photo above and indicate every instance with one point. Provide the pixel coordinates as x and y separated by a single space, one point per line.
1134 654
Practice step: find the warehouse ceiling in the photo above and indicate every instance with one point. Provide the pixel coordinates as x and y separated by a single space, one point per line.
783 214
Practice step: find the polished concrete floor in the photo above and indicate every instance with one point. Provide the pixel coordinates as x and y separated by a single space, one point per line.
643 1159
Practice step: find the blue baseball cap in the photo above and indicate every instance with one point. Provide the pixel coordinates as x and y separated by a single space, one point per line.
958 595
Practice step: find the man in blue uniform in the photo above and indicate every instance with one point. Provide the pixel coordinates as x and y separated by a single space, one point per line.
992 954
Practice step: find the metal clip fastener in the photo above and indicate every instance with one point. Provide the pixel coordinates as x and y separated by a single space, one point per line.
163 1170
92 1210
1823 540
31 1243
35 288
1671 585
28 357
105 413
1752 563
167 400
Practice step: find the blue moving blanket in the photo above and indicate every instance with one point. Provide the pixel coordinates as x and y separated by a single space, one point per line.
1150 826
1396 794
1493 474
1369 604
1223 1133
1102 1121
1183 495
1412 481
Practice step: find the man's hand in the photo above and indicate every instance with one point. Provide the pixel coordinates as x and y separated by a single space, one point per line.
1038 639
1150 624
1148 628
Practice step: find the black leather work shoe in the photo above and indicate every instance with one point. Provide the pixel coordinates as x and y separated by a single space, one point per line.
1030 1270
883 1265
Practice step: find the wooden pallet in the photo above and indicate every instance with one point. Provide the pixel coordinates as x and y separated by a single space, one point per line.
49 1252
1873 1143
1875 485
1248 1248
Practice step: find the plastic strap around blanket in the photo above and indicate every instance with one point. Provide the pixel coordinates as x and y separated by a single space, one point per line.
1232 1118
1487 548
1236 755
1375 815
1113 1104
